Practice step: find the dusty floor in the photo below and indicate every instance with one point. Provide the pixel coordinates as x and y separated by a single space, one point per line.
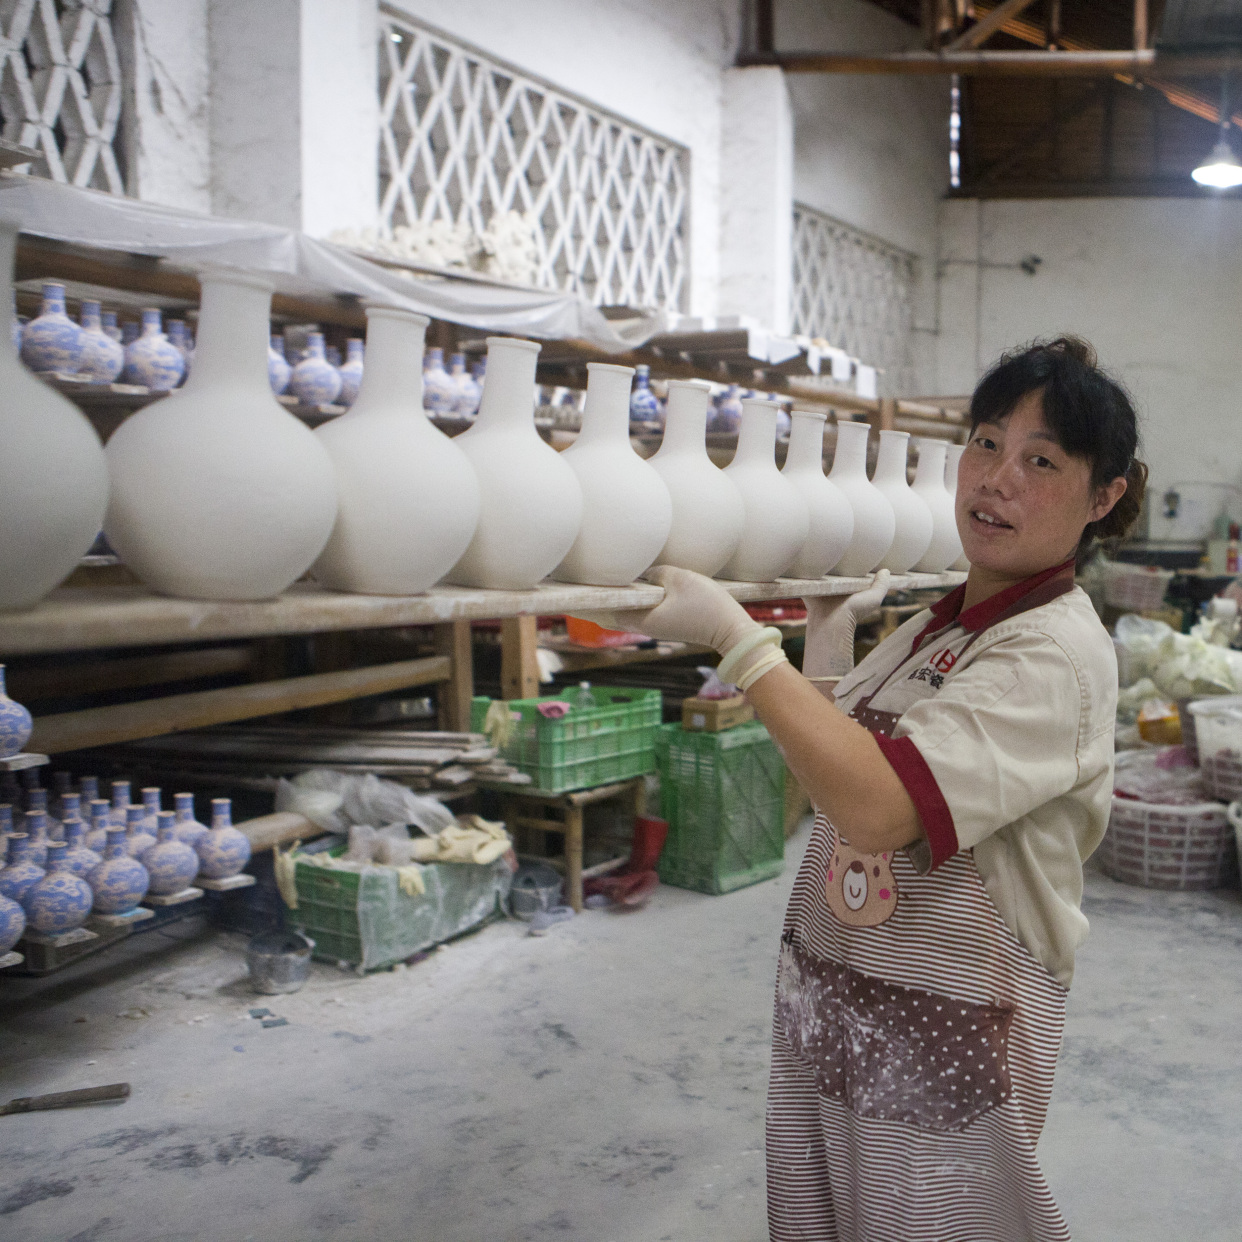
605 1082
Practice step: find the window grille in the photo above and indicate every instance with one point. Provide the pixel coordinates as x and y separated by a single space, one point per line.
60 87
466 139
856 292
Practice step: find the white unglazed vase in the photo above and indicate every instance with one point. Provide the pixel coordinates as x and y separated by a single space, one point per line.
626 510
409 501
53 474
874 521
952 461
928 485
531 501
914 520
708 513
217 491
777 518
832 519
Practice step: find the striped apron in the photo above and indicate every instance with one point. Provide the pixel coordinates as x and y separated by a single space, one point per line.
913 1051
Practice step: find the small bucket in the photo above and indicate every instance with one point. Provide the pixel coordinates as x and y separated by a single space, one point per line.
278 961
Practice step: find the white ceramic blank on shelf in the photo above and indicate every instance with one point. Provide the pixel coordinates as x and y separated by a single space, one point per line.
928 485
777 519
874 521
913 518
409 501
832 518
53 475
953 459
531 501
626 511
708 513
218 492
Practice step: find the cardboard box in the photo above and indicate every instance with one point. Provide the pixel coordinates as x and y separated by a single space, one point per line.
714 715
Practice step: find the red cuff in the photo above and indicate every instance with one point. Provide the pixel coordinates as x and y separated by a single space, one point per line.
916 776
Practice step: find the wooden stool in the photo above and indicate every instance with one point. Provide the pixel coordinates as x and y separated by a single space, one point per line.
531 809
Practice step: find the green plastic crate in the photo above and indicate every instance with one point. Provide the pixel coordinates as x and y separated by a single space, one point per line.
723 795
612 741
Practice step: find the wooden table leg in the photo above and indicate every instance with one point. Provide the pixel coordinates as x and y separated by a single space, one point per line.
519 666
453 698
573 856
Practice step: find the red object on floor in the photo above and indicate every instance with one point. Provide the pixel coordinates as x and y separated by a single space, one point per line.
635 880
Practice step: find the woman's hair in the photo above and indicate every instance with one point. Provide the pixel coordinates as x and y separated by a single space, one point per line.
1090 414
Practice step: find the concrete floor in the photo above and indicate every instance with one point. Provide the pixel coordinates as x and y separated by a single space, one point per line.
604 1082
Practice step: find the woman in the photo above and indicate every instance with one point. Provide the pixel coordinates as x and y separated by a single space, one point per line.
962 773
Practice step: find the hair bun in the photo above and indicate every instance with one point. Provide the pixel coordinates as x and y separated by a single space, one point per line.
1076 348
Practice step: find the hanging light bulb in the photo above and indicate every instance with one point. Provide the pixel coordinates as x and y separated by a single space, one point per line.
1221 170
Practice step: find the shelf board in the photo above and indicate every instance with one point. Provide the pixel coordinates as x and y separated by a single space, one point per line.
83 618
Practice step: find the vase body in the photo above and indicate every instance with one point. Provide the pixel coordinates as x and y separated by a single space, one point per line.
644 405
101 821
626 510
187 829
278 368
439 391
102 356
469 391
953 459
137 839
728 416
222 851
79 858
22 872
831 518
61 900
170 863
530 499
52 342
218 491
945 546
707 509
53 475
15 720
153 359
777 519
119 883
351 372
913 533
874 520
315 381
12 923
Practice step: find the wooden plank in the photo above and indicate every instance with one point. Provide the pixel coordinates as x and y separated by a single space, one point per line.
127 674
125 722
281 828
453 697
519 664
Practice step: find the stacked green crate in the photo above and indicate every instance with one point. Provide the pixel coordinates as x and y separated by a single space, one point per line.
723 795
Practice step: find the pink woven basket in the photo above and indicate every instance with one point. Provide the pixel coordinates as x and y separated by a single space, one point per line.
1172 847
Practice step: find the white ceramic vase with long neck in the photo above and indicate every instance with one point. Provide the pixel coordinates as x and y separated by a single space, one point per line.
409 501
928 485
777 518
626 511
914 520
708 513
874 521
953 460
218 492
832 519
531 501
53 474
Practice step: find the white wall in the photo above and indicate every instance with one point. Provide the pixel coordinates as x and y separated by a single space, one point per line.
1154 284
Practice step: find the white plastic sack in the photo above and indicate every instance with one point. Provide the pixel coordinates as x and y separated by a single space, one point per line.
336 801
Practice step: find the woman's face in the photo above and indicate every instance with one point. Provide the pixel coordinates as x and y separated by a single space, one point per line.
1022 500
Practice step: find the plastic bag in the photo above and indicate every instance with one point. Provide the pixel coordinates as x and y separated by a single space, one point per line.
1138 641
713 687
1188 667
1164 775
1131 700
337 801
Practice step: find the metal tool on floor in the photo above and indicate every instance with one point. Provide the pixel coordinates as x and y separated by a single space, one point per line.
66 1099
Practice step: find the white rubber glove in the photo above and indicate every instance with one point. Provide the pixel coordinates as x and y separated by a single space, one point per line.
830 624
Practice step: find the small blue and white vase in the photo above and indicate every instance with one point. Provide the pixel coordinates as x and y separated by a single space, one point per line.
729 412
101 820
170 863
22 872
12 923
278 368
52 342
119 883
107 321
315 381
644 404
179 335
153 360
88 791
6 823
36 830
36 804
62 784
130 332
439 390
79 858
223 851
15 723
151 808
351 372
188 830
137 839
102 359
469 391
61 900
120 803
18 324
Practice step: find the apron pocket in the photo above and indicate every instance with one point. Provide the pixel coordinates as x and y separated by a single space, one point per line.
892 1053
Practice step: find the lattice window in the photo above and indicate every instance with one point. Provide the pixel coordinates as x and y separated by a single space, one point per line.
60 87
856 292
466 139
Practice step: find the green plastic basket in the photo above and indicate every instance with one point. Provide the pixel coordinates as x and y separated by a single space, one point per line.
723 795
612 741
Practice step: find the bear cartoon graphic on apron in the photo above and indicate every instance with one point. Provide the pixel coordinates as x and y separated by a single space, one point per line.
915 1038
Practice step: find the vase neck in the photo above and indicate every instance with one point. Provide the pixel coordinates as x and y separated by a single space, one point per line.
56 856
393 375
756 441
221 813
233 334
806 443
21 847
75 829
53 299
120 795
10 340
90 316
151 323
930 470
164 831
685 423
850 459
151 799
890 465
134 818
115 846
606 414
36 825
509 394
184 802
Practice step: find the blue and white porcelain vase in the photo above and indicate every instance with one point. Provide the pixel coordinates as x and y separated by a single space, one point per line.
170 863
12 923
61 900
62 784
179 335
315 381
107 321
469 390
151 808
88 791
728 416
137 839
18 323
130 332
119 882
36 831
79 858
278 368
351 372
153 360
120 803
36 804
102 357
187 830
22 872
101 821
6 824
644 404
223 851
439 391
15 723
52 342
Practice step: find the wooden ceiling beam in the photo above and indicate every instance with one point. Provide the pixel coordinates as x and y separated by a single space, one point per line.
988 25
